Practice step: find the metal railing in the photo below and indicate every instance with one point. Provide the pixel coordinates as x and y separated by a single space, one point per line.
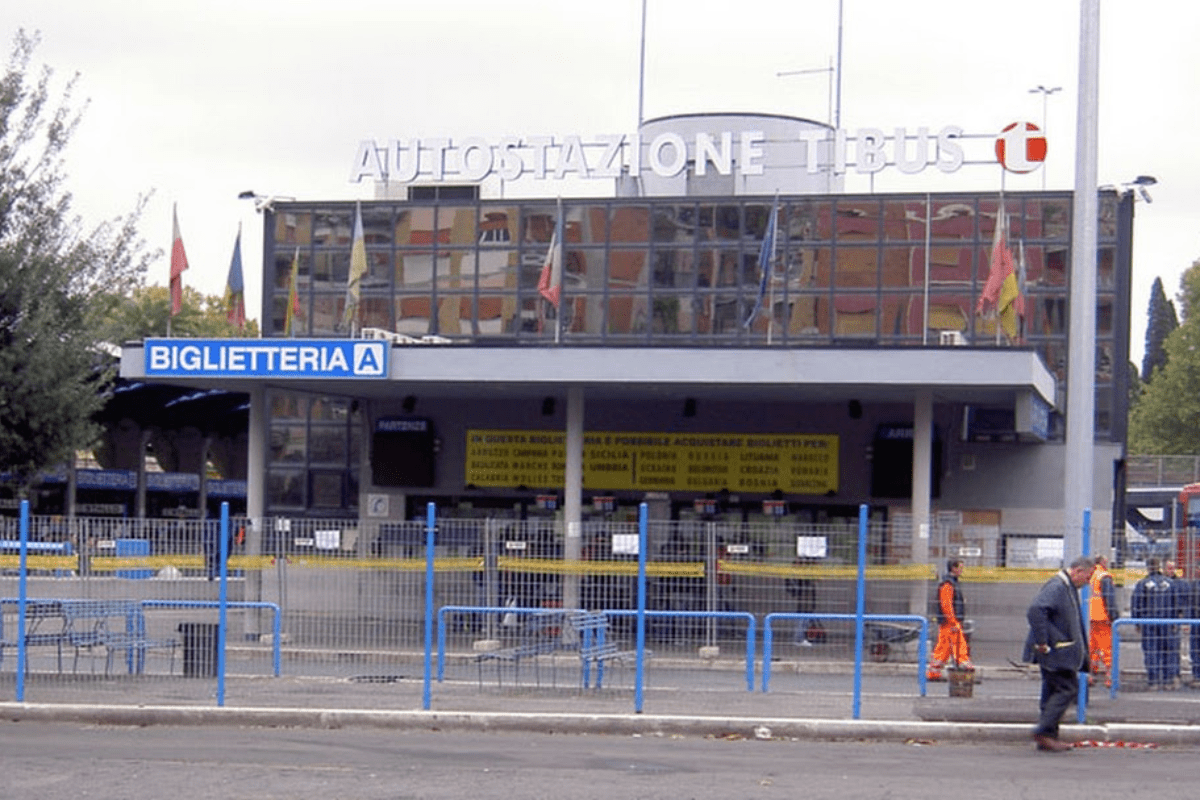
1138 622
1142 471
340 600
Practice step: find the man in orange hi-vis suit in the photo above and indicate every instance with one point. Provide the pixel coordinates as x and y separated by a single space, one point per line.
1102 612
952 641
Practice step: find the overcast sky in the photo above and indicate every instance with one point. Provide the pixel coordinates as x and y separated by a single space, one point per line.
198 100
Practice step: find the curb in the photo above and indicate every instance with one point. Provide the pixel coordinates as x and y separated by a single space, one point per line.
619 724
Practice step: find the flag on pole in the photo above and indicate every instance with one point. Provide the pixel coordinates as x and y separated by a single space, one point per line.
179 264
358 268
550 281
292 314
235 288
1001 291
766 258
1012 299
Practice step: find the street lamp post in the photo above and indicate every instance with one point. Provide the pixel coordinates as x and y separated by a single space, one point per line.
816 70
1045 93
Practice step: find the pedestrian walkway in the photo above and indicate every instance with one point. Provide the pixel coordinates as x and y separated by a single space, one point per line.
809 700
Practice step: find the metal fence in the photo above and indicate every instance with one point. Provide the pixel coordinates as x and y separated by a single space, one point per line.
344 599
1161 470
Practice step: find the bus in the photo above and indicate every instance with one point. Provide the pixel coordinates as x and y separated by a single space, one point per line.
1153 515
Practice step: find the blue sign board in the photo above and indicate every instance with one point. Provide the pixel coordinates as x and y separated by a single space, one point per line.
401 425
119 479
173 481
267 358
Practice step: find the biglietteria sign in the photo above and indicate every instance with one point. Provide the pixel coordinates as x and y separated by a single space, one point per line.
266 358
737 153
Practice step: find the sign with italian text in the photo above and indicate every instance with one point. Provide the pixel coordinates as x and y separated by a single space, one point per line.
682 462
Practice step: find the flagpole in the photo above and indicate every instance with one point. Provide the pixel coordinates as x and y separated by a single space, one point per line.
1000 235
235 286
293 301
771 293
358 270
170 263
642 70
1001 219
766 255
242 299
1021 291
928 236
550 280
560 256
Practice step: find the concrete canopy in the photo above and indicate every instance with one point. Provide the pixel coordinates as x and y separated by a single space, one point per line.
951 374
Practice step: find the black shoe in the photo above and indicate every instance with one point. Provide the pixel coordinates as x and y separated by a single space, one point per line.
1051 744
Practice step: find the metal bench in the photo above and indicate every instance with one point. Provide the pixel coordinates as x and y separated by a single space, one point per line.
595 648
87 625
540 634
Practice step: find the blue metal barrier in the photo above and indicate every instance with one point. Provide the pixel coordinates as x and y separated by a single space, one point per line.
276 628
920 621
1116 651
746 616
22 600
498 610
430 532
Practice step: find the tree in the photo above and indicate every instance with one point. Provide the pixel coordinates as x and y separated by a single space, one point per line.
54 277
1160 321
1166 419
144 312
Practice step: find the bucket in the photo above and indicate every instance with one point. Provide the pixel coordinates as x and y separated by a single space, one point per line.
962 682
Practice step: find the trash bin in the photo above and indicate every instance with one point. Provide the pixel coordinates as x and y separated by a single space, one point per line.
199 649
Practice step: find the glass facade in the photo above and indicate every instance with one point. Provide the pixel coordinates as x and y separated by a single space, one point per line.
313 453
867 271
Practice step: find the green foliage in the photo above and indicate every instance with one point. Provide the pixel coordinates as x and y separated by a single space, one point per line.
53 278
1166 419
1160 321
145 313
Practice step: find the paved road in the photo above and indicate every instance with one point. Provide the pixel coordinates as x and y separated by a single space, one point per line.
56 761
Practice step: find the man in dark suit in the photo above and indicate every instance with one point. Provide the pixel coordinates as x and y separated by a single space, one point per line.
1058 643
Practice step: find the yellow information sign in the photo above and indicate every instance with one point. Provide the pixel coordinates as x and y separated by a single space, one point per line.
685 462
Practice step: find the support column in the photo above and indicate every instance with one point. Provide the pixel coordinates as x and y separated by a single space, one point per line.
143 441
202 503
368 525
922 489
72 488
256 482
573 496
1079 488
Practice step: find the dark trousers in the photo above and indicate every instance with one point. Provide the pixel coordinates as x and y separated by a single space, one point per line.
1060 688
1195 647
1156 651
1171 654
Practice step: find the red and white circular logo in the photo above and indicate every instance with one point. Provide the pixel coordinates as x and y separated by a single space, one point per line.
1021 147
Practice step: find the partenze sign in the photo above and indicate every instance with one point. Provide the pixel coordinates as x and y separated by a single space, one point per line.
266 358
738 153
